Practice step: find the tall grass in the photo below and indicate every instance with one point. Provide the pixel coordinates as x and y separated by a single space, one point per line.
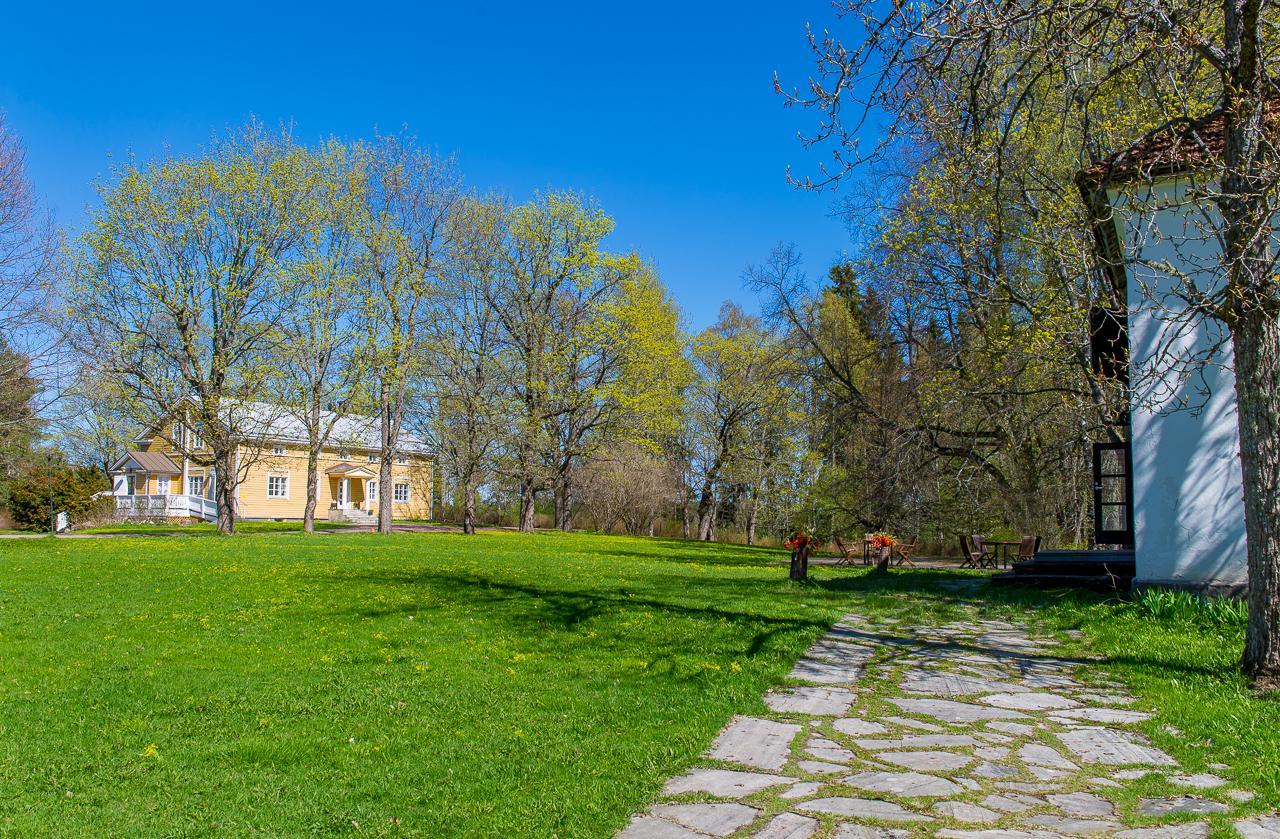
1185 607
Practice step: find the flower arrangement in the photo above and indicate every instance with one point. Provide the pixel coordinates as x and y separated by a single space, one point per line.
797 540
883 540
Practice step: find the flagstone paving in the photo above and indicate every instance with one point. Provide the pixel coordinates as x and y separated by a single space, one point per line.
968 731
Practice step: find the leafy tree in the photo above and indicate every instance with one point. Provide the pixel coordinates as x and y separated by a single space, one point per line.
742 372
1072 76
315 369
406 230
179 286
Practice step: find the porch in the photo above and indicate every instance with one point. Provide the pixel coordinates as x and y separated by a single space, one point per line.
349 487
166 507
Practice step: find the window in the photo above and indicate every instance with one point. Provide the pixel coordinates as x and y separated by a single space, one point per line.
176 435
195 485
162 485
373 458
130 485
372 491
277 450
277 486
402 459
401 493
195 442
344 453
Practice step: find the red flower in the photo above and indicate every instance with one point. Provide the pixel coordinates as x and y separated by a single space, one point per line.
797 540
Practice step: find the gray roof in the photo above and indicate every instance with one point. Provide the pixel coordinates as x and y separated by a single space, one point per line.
265 421
269 422
153 462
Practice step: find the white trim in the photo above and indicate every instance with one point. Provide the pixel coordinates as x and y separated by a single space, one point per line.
395 492
273 476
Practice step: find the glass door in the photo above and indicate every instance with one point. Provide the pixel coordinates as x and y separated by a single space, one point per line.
1113 494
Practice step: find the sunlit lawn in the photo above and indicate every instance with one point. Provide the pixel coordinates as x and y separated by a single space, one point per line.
440 685
421 683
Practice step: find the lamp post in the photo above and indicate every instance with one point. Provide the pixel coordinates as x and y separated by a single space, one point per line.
53 518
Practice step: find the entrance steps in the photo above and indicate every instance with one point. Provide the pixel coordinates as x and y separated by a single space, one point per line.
1105 571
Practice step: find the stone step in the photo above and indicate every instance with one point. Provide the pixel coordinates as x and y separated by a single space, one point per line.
1092 582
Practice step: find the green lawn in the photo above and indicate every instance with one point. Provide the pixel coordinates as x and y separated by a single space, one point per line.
440 685
203 528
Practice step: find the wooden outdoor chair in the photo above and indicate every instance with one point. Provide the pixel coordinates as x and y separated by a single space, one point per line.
904 552
974 555
1027 548
846 553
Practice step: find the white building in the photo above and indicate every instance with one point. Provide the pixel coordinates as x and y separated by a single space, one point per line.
1176 497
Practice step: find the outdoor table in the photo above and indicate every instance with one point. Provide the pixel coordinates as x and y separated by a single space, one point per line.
1000 549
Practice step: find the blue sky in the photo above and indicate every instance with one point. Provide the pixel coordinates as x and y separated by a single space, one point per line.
664 112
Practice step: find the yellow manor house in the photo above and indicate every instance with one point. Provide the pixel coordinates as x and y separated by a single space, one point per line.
158 481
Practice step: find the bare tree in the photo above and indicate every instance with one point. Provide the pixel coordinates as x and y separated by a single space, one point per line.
628 484
465 372
27 346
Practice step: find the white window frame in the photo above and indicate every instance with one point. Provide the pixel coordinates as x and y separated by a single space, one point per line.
195 485
344 453
278 477
130 485
395 492
371 488
177 433
402 459
373 458
278 450
162 485
194 443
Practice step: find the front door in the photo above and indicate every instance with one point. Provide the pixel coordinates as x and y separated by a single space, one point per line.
1113 494
342 493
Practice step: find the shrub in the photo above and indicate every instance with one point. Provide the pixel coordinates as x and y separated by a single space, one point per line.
73 488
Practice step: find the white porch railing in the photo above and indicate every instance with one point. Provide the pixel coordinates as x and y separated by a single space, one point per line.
166 506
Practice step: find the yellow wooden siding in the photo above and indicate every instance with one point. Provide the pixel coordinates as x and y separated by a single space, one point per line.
253 500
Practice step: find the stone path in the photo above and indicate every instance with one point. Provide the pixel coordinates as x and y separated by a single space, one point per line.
966 731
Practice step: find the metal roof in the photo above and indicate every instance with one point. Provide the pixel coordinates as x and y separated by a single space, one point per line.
154 462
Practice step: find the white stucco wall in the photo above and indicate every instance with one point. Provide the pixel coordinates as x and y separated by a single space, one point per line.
1188 508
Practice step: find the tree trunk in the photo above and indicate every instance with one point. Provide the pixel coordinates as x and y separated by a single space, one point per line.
564 503
224 465
1256 336
707 508
313 489
751 521
386 458
800 562
686 519
528 494
469 509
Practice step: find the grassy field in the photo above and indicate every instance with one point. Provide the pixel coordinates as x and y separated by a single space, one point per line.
435 684
202 528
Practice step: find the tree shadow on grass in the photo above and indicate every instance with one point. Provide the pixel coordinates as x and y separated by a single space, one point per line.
531 609
974 590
